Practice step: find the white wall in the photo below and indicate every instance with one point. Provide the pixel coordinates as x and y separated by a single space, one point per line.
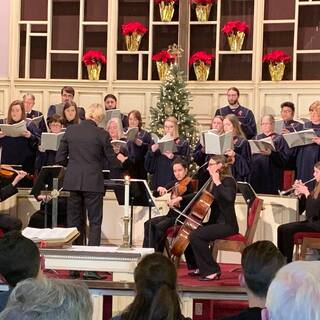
4 38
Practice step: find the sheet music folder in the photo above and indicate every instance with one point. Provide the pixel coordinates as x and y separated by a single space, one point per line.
45 179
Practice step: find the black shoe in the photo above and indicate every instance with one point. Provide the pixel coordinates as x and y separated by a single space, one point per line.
91 275
74 274
216 276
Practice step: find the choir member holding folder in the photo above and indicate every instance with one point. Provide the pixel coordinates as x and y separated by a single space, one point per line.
158 163
20 150
309 154
269 159
287 115
199 155
241 152
138 145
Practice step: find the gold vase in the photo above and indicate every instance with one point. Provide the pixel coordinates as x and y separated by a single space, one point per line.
94 71
201 70
162 69
236 41
276 71
203 11
166 11
133 41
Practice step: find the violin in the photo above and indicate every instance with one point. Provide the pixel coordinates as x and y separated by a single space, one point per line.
7 171
180 187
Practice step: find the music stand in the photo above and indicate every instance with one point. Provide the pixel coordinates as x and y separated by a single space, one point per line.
248 194
49 182
139 195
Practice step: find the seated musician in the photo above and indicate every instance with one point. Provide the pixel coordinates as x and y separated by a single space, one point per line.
312 224
9 223
179 189
221 223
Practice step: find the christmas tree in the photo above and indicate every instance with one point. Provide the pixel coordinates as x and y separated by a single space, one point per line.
174 101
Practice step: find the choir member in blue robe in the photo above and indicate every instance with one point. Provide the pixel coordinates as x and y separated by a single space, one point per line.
20 150
287 115
67 95
308 155
241 153
160 165
110 103
70 114
199 155
137 149
267 167
47 158
29 102
244 115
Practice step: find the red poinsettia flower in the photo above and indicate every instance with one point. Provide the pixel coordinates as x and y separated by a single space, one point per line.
133 26
202 2
165 1
163 56
235 26
93 57
276 56
201 56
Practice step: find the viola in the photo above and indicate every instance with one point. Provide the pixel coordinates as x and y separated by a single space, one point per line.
180 187
7 171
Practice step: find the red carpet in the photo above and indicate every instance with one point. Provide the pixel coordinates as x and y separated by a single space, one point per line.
203 309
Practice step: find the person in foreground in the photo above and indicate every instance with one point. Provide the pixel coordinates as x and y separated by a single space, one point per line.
156 297
294 293
311 224
19 260
260 262
47 300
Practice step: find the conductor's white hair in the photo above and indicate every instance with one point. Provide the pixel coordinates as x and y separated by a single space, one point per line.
95 112
48 299
294 293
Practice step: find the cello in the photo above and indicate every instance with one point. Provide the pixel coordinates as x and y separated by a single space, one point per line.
200 206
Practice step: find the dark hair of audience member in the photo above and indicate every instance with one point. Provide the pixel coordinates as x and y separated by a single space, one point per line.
110 95
156 296
19 258
260 262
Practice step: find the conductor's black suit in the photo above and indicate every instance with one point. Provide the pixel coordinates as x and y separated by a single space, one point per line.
84 148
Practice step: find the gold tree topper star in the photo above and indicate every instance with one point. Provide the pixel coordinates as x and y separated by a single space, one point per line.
175 51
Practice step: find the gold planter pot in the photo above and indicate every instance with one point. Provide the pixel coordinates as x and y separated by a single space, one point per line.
162 69
203 11
276 71
166 11
133 41
201 70
236 41
94 71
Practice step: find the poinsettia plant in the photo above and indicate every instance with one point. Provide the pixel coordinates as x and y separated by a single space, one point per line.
164 56
202 2
234 27
165 1
93 57
201 56
133 26
276 56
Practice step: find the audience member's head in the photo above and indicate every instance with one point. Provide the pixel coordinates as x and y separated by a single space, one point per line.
294 293
49 299
19 258
260 262
156 296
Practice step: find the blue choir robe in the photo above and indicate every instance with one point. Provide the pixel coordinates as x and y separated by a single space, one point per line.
267 170
242 165
33 114
137 154
160 166
245 116
308 156
293 125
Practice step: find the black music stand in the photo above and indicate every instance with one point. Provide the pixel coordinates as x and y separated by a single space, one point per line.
139 195
248 194
49 182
